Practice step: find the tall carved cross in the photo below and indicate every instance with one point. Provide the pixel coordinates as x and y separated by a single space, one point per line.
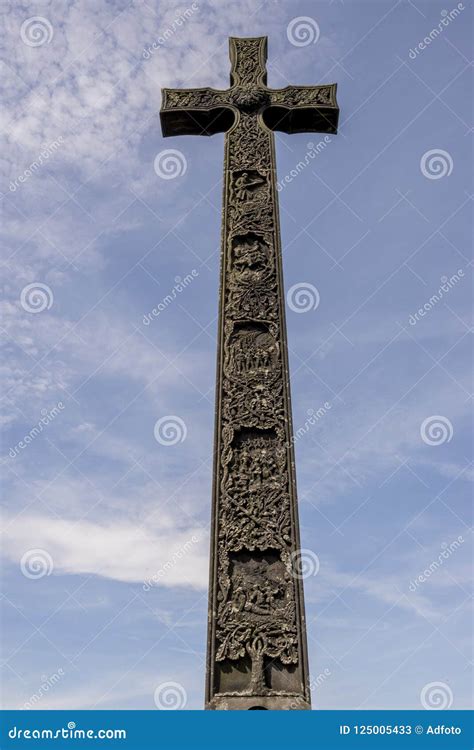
256 652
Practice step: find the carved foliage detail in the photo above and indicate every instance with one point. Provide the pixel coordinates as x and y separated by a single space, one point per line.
195 98
256 603
247 62
257 614
310 96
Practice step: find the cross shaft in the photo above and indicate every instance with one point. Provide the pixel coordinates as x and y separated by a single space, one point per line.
257 655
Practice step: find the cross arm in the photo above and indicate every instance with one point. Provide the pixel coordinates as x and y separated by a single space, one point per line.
303 109
195 112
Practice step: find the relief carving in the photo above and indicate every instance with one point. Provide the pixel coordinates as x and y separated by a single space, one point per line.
256 632
253 353
251 258
250 145
249 185
296 96
257 615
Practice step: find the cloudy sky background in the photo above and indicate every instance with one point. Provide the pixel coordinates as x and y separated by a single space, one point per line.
372 223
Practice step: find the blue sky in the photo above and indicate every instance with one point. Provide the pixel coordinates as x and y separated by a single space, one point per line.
94 504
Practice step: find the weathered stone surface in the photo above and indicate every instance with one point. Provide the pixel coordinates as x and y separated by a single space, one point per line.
257 641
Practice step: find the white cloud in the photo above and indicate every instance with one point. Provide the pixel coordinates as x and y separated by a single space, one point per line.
120 550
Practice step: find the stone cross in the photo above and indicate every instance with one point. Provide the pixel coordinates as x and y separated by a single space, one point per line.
256 652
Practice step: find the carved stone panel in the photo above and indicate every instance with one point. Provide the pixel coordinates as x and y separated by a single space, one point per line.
256 638
258 646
